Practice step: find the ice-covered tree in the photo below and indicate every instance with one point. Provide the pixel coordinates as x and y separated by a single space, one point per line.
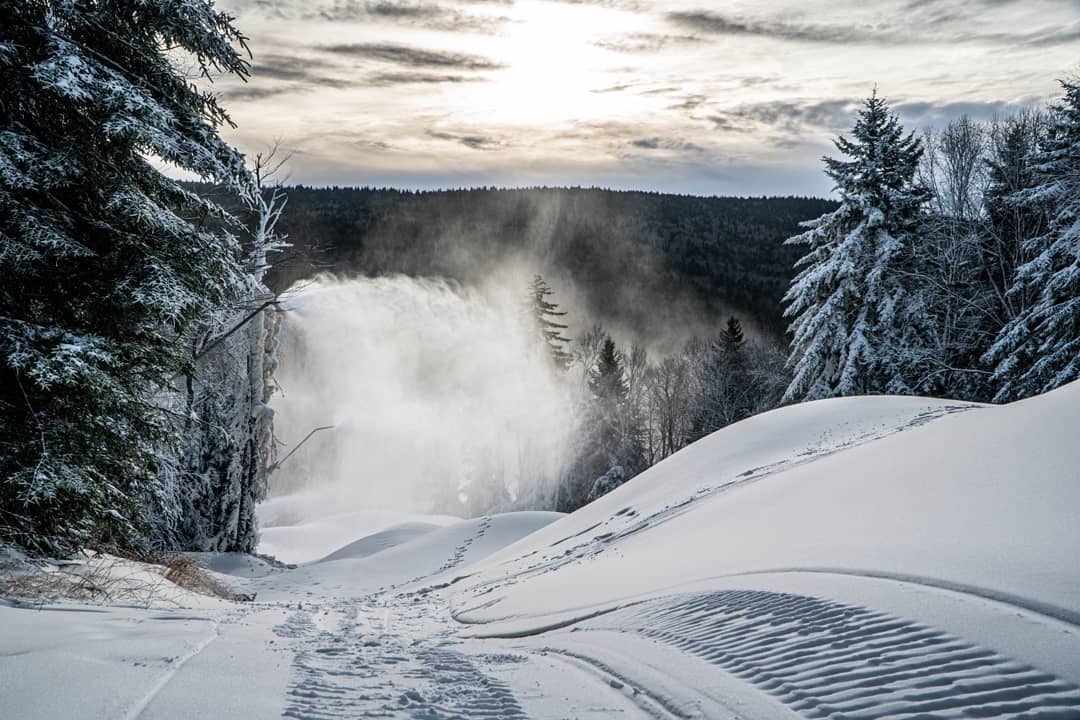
1039 350
544 314
857 327
207 492
106 263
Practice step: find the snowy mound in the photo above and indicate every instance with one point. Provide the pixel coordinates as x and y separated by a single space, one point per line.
944 494
382 540
285 535
439 553
946 530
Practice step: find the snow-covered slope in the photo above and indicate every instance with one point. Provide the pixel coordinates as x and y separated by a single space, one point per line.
980 499
858 555
855 558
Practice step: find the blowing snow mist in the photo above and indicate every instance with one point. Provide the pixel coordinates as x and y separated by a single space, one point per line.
442 400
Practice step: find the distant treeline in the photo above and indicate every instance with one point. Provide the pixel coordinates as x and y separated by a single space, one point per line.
633 258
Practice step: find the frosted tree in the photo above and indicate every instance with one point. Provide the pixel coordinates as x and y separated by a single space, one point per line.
544 314
1039 350
107 264
953 262
208 491
857 327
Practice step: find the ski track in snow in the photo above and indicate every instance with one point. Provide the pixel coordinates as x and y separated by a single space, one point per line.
176 665
380 662
628 521
395 655
824 659
389 660
403 653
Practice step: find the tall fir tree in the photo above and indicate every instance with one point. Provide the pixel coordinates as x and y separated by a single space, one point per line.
732 335
608 382
551 331
857 327
105 261
1039 350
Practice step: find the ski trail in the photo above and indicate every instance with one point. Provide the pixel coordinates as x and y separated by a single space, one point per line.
653 706
135 712
405 669
824 659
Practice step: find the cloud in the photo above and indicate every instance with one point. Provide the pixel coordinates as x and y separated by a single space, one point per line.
788 115
629 5
643 42
938 114
249 92
474 142
713 23
390 79
285 67
795 121
413 57
421 14
613 88
656 143
298 74
689 102
925 24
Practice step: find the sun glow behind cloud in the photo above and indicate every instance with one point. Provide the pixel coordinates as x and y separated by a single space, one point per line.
684 95
554 68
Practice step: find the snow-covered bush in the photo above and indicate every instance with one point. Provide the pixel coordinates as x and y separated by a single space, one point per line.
607 482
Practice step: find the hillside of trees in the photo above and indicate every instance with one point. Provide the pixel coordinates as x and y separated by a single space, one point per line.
624 253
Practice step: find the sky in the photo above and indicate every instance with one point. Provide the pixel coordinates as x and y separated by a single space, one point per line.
706 97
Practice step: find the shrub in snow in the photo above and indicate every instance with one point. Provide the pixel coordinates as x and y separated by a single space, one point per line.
607 482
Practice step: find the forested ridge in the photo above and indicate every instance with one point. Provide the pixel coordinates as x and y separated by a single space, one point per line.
616 247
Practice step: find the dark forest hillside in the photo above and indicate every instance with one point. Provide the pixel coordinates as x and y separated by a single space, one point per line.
632 260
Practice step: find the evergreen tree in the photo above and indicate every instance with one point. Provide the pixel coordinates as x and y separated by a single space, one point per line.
550 330
1040 349
105 262
608 382
732 335
857 327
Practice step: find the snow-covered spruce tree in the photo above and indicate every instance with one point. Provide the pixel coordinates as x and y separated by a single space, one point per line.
543 312
104 260
1040 349
858 328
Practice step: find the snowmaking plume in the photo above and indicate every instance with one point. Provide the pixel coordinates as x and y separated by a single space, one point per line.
442 399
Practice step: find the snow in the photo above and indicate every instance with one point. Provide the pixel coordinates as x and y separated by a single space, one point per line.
285 536
858 557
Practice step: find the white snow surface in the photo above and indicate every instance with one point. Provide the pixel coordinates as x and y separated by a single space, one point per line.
857 558
287 535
